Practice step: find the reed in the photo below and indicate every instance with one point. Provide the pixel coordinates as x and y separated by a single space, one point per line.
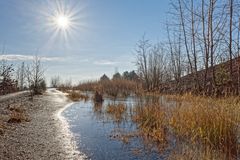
196 153
207 125
116 110
113 88
76 96
151 120
208 121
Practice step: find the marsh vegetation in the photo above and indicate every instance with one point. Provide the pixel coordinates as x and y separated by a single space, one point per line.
176 126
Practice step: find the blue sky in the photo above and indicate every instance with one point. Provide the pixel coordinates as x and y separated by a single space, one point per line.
101 36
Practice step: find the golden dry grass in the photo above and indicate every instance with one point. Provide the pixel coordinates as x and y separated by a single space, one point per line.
18 117
76 96
116 110
113 88
211 122
151 120
207 123
122 135
17 114
197 153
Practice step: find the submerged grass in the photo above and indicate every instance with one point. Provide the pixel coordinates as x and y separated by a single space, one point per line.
151 120
122 135
116 110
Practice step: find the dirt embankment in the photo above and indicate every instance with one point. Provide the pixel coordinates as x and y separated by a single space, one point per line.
35 129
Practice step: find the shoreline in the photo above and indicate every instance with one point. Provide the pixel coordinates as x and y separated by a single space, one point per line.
65 129
46 136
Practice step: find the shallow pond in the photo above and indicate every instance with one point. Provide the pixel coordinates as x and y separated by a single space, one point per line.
98 134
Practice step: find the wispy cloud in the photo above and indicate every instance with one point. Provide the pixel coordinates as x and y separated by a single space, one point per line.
18 57
105 62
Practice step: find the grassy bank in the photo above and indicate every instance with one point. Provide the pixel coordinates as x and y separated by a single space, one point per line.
207 125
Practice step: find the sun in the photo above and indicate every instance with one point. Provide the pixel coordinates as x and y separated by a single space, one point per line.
62 22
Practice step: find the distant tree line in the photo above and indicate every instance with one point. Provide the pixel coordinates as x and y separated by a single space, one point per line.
125 75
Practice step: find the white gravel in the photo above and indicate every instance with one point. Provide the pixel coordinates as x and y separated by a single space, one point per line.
45 137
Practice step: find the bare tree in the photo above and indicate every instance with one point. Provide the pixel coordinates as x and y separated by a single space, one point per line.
151 63
176 56
35 76
21 76
155 66
7 83
55 81
183 25
238 53
230 35
201 34
142 51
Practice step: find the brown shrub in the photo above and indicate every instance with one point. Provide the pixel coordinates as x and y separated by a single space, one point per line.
76 96
18 117
98 98
16 107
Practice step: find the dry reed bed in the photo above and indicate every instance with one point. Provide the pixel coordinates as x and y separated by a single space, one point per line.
210 122
151 120
197 153
113 88
76 96
207 123
116 111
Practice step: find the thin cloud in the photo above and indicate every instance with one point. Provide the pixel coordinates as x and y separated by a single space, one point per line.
18 57
105 63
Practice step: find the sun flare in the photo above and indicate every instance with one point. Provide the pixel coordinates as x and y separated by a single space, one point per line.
62 22
64 19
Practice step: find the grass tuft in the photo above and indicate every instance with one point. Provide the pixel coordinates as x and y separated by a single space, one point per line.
18 117
151 120
76 96
116 110
17 114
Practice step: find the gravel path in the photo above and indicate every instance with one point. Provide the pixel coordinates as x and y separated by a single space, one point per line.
45 137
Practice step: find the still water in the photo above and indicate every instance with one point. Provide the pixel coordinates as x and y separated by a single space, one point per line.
97 133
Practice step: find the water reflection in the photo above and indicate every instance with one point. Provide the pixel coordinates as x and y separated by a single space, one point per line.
100 136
